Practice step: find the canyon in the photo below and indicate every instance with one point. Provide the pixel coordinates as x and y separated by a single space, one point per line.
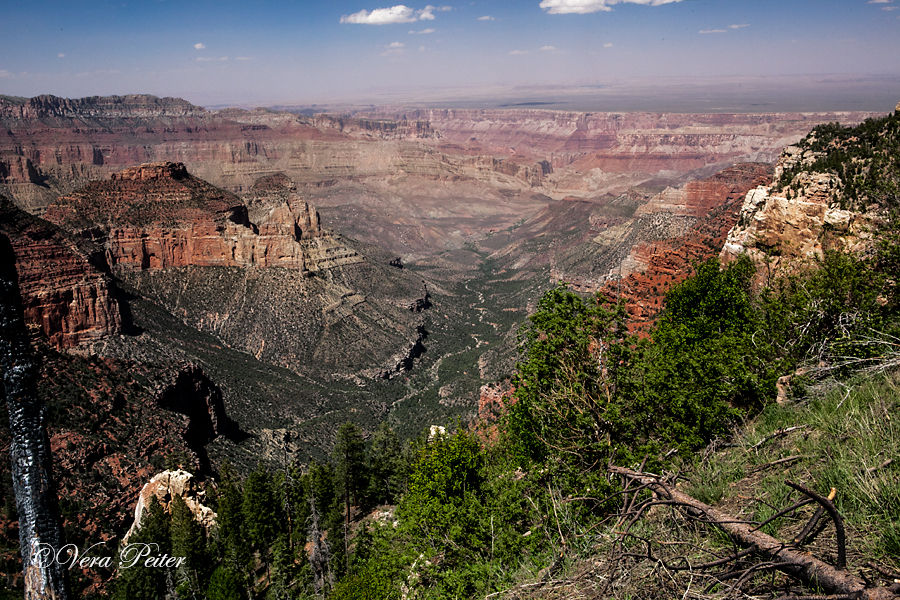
235 284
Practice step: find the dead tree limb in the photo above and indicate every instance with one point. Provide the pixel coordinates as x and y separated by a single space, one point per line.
40 533
820 510
781 513
776 463
798 564
835 516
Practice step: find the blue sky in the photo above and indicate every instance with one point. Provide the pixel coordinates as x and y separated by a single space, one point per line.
276 51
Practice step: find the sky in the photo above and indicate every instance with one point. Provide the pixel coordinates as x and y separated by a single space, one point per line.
270 52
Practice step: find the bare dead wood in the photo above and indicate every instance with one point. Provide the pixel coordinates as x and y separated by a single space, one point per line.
886 463
835 517
781 513
883 572
778 433
775 463
40 534
798 564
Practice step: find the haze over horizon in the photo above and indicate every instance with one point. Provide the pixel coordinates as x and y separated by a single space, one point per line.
663 55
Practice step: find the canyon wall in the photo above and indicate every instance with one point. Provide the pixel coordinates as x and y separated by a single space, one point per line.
157 216
66 288
55 145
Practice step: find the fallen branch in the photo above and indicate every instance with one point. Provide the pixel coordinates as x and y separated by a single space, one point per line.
804 566
801 537
835 516
886 463
774 463
778 433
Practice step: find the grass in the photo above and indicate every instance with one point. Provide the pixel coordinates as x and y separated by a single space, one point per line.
844 437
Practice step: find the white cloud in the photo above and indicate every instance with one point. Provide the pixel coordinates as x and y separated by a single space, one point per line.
890 7
207 59
199 46
739 26
486 18
880 1
429 30
427 13
548 48
4 73
395 45
422 48
395 14
242 58
382 16
608 45
60 55
583 7
518 52
713 31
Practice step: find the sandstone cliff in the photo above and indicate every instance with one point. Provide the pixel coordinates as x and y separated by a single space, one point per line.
158 216
66 289
792 223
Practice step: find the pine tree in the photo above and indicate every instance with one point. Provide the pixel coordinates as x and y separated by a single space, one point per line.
262 518
230 520
385 466
350 461
224 585
188 541
136 581
320 554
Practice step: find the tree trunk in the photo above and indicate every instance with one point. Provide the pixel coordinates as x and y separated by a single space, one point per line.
39 523
802 565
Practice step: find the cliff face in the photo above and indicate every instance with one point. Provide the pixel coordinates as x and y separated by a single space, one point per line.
784 226
65 290
635 246
157 216
598 152
653 266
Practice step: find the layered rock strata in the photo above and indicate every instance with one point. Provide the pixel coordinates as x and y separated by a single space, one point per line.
157 216
66 290
668 233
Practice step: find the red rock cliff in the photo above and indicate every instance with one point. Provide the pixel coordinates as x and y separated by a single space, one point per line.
158 216
64 291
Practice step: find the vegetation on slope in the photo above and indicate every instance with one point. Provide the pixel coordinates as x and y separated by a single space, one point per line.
528 506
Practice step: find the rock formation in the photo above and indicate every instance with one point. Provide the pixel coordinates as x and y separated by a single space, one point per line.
785 225
65 289
190 392
157 216
165 486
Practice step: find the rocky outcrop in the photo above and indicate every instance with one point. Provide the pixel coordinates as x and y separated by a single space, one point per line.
783 226
165 486
65 289
157 216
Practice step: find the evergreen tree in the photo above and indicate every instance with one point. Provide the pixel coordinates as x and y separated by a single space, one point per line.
188 541
262 518
320 554
224 585
137 581
230 519
385 466
350 461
